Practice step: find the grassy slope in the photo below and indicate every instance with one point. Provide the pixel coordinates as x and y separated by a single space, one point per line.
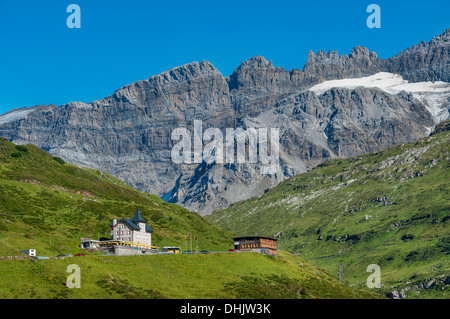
235 275
321 214
48 205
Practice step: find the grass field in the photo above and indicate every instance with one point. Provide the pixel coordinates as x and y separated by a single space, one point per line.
203 276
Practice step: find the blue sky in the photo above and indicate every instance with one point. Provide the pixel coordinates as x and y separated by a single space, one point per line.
42 61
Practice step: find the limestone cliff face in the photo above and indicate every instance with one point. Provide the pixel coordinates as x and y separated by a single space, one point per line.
256 85
128 134
313 128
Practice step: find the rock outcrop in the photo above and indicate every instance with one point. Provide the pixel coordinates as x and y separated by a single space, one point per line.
439 283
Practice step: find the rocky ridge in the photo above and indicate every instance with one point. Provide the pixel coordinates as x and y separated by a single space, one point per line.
128 134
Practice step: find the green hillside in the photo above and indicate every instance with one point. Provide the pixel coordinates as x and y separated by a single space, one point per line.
390 208
48 205
224 276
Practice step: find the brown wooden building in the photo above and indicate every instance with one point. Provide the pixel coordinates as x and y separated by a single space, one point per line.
258 244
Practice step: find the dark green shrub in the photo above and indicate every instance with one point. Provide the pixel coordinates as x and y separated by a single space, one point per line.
59 160
413 255
444 245
3 227
408 237
17 154
21 148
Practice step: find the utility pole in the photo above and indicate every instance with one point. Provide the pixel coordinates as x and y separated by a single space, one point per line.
196 243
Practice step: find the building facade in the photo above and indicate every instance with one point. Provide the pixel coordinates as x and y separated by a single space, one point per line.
88 243
29 252
134 230
257 244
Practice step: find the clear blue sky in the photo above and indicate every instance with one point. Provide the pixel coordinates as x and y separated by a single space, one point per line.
42 61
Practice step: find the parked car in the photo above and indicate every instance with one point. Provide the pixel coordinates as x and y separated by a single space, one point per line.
232 250
79 255
204 252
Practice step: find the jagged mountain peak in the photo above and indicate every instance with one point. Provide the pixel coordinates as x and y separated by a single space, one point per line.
254 70
180 73
186 71
425 61
443 37
361 52
331 65
322 54
257 62
333 56
441 40
141 91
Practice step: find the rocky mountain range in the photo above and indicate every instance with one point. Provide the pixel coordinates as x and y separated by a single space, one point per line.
319 114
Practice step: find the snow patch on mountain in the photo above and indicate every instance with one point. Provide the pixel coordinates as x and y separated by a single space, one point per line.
15 115
434 95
